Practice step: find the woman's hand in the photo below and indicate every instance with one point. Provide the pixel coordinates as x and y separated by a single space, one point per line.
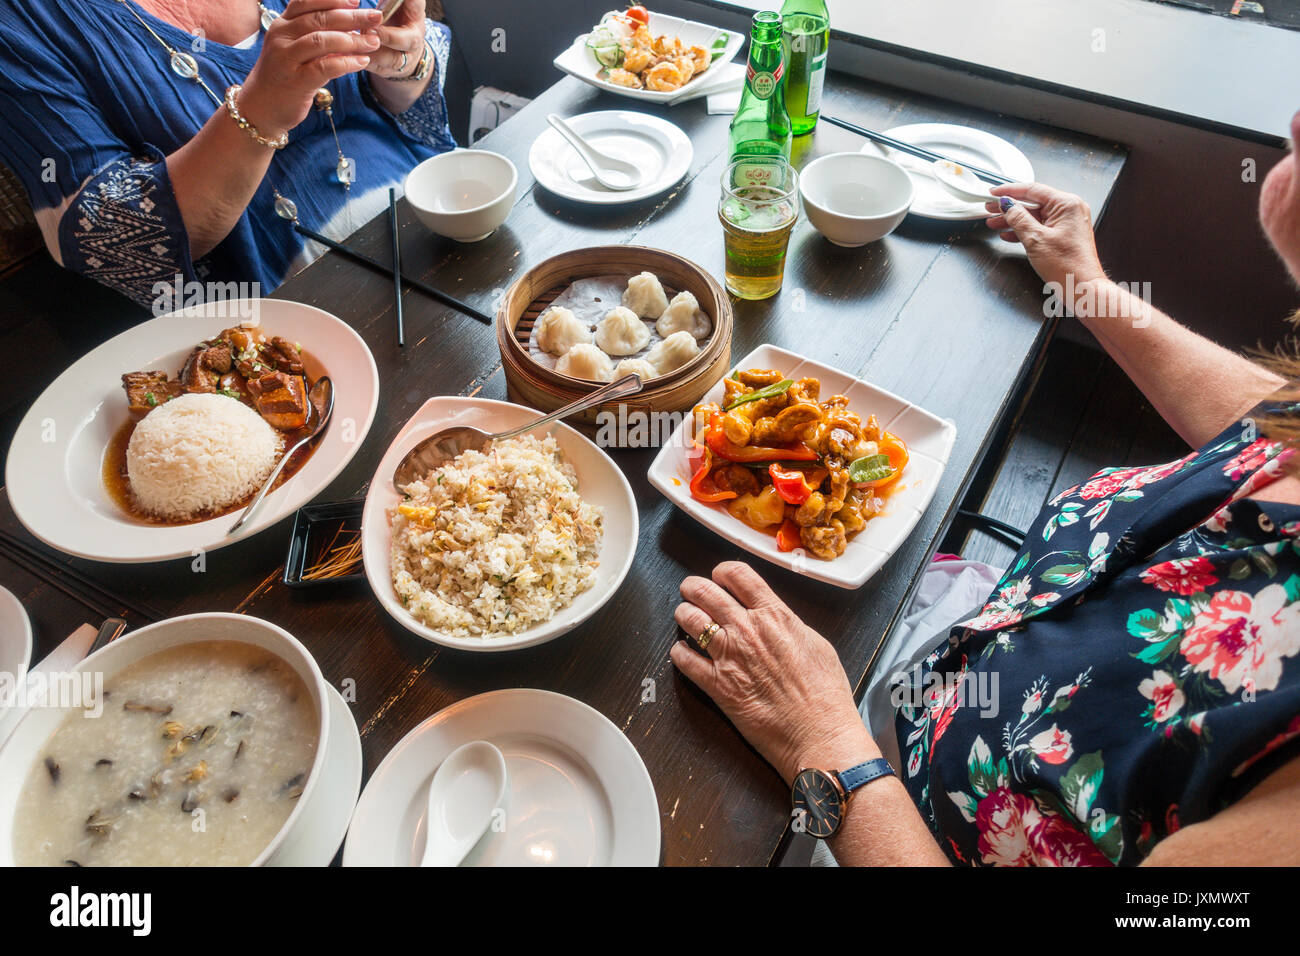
311 43
1057 235
402 34
778 680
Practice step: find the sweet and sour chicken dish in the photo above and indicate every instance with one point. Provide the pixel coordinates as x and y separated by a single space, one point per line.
784 460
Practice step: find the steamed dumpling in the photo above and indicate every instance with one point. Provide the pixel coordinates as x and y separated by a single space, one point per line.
638 367
584 360
683 313
673 352
645 296
559 330
620 332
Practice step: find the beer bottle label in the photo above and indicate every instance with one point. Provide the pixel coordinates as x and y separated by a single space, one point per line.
764 84
815 83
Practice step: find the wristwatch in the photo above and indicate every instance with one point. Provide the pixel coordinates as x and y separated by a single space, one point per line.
820 796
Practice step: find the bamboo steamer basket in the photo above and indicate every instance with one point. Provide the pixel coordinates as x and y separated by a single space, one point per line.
529 383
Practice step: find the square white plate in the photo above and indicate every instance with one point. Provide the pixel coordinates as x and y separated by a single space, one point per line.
929 442
580 62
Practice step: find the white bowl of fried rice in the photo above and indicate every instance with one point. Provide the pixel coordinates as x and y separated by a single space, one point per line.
502 549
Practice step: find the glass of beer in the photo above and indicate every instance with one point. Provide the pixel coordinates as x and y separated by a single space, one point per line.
758 210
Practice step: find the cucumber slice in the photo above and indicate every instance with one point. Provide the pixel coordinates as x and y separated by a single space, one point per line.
608 56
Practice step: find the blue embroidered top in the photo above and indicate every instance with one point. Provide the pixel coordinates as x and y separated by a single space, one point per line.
89 110
1134 672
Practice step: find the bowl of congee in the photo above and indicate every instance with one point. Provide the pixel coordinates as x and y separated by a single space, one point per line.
196 741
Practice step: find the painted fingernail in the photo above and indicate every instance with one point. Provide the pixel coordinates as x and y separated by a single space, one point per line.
1005 203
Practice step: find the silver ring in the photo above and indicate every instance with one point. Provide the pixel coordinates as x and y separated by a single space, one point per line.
401 67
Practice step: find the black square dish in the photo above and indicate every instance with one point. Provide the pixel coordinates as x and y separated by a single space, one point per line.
318 531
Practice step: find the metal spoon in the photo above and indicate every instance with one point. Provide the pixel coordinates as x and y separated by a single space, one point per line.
321 400
445 445
964 184
612 173
466 791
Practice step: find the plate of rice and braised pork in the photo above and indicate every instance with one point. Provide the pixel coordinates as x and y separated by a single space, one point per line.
149 447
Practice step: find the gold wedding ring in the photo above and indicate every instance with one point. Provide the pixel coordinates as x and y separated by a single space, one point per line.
706 635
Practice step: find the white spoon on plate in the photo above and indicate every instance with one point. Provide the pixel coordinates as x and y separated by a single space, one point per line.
612 173
964 184
466 791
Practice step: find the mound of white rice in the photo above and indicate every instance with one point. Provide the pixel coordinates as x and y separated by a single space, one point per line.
495 541
199 453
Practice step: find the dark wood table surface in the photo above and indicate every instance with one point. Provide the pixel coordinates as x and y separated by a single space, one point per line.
936 312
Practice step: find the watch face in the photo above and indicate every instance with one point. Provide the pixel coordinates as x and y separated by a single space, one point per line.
818 802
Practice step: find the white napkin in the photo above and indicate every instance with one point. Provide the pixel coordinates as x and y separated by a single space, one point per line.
724 104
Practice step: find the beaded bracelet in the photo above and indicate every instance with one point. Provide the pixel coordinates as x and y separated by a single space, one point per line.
280 142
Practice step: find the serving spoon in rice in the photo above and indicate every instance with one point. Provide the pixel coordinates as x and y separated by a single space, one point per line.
321 400
441 447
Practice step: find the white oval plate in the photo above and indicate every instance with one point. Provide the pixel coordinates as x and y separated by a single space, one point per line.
660 150
54 474
578 792
929 441
962 143
580 62
600 482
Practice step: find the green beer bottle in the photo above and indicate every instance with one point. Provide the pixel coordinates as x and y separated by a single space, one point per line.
761 125
806 33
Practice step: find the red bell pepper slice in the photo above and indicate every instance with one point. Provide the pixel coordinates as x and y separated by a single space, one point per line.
790 485
702 486
787 538
725 448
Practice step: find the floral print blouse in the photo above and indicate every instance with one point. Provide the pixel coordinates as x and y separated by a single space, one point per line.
1134 672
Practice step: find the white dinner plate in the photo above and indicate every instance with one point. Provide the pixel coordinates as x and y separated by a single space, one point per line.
54 473
660 150
320 830
962 143
600 483
578 793
580 62
15 648
929 441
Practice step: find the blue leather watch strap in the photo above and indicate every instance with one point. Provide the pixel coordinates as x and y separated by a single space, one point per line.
863 774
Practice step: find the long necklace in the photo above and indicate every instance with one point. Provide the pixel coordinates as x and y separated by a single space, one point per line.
186 66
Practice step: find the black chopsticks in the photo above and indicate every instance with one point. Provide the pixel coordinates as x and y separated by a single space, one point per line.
898 144
397 264
365 260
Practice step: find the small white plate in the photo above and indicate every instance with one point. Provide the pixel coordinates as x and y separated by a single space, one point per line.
962 143
15 647
322 827
929 442
600 483
580 62
578 792
660 150
54 475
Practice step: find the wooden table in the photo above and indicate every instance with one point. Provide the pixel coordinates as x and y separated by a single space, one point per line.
937 313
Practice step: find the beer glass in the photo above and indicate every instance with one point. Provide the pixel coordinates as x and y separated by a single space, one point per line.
758 210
